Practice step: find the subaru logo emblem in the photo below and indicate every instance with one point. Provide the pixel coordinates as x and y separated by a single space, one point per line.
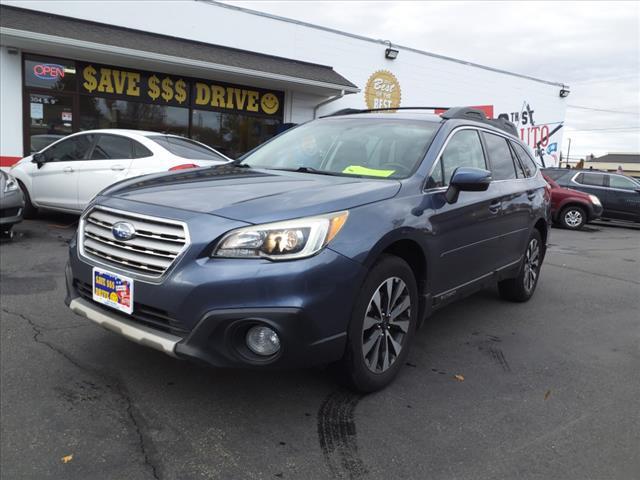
123 231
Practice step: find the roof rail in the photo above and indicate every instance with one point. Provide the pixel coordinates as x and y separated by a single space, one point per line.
464 113
479 116
351 111
459 113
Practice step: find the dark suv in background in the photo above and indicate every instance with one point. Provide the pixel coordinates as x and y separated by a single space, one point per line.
330 243
619 194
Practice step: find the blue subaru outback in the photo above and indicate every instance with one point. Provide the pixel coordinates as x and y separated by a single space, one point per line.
330 243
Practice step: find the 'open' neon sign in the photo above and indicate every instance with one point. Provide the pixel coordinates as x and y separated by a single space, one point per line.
48 71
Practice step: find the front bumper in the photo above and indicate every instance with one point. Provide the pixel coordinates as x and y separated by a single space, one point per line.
596 212
203 309
11 207
162 341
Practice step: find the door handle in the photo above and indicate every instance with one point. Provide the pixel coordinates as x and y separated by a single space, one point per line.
495 207
67 169
531 194
117 168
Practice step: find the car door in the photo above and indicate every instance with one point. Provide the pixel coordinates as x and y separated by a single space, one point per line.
55 182
517 196
622 198
465 233
107 163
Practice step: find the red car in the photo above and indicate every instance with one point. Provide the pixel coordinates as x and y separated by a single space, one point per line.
571 208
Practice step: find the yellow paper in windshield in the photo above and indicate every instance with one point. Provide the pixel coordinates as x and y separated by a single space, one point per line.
373 172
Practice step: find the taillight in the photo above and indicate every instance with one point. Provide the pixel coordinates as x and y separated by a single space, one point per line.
184 166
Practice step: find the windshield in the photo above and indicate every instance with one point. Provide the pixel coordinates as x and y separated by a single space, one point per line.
186 148
372 147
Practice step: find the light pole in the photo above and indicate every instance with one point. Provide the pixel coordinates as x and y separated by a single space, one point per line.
568 151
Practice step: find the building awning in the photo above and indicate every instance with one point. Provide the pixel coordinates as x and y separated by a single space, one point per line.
84 40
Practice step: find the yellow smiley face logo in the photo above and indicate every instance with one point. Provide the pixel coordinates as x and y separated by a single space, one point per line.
269 103
113 296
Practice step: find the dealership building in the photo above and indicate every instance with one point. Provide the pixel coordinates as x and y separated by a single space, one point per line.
226 76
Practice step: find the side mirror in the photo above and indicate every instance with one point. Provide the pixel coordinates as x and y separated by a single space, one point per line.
467 179
39 159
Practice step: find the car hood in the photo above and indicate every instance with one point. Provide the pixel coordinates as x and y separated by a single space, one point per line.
576 193
253 196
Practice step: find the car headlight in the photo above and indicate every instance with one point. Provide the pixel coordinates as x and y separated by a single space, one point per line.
285 240
11 184
595 200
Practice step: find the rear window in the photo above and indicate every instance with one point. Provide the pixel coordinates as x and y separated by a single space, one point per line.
185 148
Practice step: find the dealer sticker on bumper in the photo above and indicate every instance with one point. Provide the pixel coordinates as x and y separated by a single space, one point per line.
113 290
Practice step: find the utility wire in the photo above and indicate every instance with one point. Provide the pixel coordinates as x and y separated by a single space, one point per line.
605 79
622 129
581 107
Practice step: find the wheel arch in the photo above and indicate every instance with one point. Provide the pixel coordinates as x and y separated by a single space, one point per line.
575 203
406 244
543 228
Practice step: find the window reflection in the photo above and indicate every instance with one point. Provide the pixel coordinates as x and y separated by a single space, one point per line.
98 112
231 133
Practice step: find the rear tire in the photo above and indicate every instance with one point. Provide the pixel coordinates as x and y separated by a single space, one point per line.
29 211
522 287
573 217
382 326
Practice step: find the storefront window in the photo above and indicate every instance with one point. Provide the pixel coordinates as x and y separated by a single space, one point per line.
98 112
50 118
50 73
231 133
66 96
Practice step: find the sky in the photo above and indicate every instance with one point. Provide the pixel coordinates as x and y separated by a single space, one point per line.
594 47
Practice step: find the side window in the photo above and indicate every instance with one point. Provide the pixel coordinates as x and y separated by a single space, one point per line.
112 147
528 164
616 181
435 179
520 173
502 167
70 149
140 151
595 179
463 150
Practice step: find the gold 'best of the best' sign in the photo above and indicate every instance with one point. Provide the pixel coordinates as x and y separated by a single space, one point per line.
165 89
382 90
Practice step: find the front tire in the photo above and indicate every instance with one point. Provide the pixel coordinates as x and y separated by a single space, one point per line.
573 217
522 287
382 325
29 211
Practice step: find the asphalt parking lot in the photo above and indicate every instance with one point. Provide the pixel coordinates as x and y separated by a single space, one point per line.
547 389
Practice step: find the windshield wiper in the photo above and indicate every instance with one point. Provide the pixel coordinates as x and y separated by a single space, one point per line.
307 170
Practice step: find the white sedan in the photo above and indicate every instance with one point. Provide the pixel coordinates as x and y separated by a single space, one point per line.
67 174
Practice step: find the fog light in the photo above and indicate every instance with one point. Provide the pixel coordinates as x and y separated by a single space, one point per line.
263 340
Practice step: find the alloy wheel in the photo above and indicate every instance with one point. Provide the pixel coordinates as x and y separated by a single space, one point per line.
573 218
531 265
386 324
